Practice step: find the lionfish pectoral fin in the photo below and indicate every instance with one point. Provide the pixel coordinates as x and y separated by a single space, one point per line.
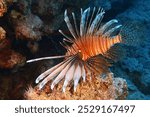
132 33
98 64
83 73
52 73
115 53
43 75
77 76
45 58
68 77
61 75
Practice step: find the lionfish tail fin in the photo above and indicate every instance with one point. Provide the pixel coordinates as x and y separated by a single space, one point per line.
131 34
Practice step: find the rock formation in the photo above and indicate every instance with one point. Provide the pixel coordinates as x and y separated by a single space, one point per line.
109 88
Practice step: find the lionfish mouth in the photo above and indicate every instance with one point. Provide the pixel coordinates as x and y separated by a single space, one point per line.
94 47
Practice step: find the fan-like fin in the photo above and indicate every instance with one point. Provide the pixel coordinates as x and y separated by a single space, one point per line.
68 77
115 53
83 73
53 74
77 76
61 75
88 71
99 64
43 75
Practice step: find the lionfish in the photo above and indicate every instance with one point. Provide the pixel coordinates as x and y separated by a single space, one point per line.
91 50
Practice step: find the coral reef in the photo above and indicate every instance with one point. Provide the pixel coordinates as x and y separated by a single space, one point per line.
2 34
26 27
8 58
51 12
3 7
109 88
4 43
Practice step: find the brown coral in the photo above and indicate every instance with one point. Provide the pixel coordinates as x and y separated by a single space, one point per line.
10 59
92 89
26 27
4 43
2 34
3 7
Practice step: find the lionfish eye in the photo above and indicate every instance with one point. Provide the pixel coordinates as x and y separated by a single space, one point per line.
80 55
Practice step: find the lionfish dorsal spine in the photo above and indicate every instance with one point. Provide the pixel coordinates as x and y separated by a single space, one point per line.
105 26
90 20
109 32
96 22
66 37
83 22
66 40
69 25
75 23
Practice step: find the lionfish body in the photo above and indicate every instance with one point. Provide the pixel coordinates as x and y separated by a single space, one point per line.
93 48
